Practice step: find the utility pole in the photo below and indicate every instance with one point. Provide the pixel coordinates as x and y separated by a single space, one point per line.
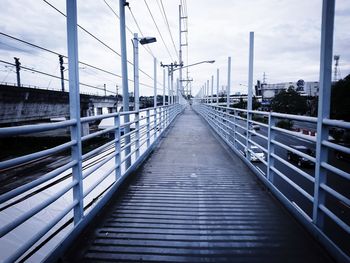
171 67
181 30
180 46
18 68
104 88
60 58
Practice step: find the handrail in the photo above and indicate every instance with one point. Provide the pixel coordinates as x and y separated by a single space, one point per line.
231 128
149 130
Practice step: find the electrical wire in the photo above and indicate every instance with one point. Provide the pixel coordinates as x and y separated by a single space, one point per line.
147 48
96 38
137 25
54 76
160 34
58 54
167 23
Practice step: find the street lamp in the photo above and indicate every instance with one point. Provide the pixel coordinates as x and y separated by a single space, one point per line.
143 41
174 66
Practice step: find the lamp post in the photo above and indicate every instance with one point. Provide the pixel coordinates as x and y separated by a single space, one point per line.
174 66
143 41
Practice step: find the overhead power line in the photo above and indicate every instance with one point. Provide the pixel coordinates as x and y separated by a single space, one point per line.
58 54
54 76
96 38
160 34
147 48
167 24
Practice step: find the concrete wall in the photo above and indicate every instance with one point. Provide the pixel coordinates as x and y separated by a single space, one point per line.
19 105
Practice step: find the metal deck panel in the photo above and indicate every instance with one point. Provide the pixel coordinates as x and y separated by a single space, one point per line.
193 201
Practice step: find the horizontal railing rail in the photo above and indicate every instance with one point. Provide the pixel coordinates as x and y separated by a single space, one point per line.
284 158
41 211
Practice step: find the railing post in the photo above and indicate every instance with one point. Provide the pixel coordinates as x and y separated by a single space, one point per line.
234 129
137 134
148 128
323 107
155 122
117 146
74 103
270 148
217 87
250 89
228 88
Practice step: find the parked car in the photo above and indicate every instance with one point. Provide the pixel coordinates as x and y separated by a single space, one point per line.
252 131
256 154
255 126
299 160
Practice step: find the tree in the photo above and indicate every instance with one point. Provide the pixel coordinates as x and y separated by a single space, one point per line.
290 102
243 104
340 99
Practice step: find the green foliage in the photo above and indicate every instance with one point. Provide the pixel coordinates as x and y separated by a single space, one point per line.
340 99
243 104
290 102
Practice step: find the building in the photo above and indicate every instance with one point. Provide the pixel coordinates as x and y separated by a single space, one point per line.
305 88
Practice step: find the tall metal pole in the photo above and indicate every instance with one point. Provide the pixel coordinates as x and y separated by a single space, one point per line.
169 89
60 58
208 90
323 108
228 88
217 86
212 88
18 68
180 48
172 82
164 73
250 73
136 72
124 65
177 89
155 82
74 105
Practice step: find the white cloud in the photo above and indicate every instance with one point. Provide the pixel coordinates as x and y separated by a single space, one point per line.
287 39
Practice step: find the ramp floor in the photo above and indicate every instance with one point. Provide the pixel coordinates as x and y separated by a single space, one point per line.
193 201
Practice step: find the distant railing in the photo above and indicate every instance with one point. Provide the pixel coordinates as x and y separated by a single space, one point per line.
283 151
44 214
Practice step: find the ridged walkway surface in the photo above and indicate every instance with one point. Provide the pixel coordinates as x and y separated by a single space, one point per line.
193 201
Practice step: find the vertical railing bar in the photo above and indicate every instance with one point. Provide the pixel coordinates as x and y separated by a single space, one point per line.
117 146
74 105
323 107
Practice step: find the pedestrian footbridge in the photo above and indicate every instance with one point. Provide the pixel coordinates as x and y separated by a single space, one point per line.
179 186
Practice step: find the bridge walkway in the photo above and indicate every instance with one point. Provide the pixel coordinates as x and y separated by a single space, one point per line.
195 201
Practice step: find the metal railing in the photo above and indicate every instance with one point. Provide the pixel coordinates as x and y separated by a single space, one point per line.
284 158
47 213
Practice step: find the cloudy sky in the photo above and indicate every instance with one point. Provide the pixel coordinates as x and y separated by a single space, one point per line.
287 40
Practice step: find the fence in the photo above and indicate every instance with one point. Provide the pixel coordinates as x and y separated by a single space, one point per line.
286 161
38 216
